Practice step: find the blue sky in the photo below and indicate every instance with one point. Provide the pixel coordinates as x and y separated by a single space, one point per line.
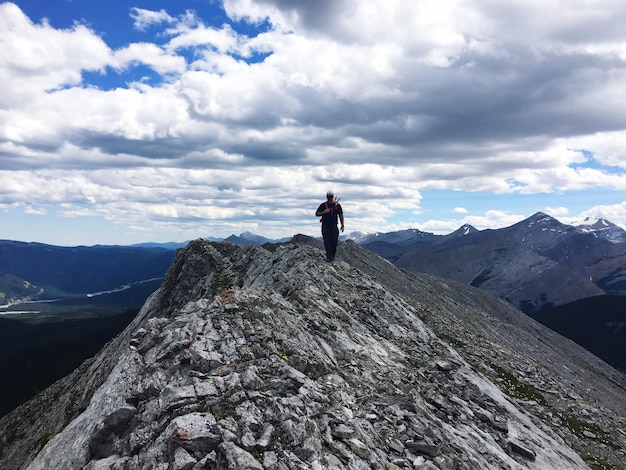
133 121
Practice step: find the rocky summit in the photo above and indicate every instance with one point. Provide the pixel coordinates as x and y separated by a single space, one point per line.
270 358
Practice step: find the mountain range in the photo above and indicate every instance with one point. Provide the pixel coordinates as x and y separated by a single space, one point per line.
35 271
571 278
87 295
603 229
267 357
535 264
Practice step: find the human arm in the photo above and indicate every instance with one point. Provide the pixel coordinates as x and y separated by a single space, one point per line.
322 209
341 220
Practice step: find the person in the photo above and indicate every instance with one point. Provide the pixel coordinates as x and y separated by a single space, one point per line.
329 211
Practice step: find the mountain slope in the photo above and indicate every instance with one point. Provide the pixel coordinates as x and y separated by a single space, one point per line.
596 323
51 271
33 356
534 264
602 228
392 245
251 357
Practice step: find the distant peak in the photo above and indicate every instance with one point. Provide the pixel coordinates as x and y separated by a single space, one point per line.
248 234
464 229
594 222
542 218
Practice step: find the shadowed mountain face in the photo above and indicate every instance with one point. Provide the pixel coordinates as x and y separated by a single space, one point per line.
535 264
39 271
269 357
596 323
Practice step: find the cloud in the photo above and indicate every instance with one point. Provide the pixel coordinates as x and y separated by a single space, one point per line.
143 19
614 212
34 211
557 211
37 59
381 100
488 220
150 55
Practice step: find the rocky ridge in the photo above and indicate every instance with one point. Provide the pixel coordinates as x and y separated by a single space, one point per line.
267 357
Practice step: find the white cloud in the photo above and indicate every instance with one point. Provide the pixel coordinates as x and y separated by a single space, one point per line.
150 55
557 212
34 211
380 100
39 58
609 148
489 220
143 19
616 213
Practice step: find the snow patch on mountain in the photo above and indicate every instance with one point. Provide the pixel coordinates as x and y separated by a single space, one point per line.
601 228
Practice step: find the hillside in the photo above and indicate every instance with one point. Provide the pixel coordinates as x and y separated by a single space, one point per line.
36 270
267 357
36 349
535 264
602 228
33 356
596 323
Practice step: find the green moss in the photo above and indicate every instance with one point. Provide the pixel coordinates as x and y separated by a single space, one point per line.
45 437
518 389
220 282
197 246
223 410
597 463
578 428
252 314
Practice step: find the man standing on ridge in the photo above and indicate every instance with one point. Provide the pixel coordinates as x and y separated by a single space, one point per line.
329 211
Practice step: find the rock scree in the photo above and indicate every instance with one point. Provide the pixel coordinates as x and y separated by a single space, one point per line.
270 358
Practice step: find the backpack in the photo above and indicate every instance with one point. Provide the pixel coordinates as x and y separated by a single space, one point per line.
333 206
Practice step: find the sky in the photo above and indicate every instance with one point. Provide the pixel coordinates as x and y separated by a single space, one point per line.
153 121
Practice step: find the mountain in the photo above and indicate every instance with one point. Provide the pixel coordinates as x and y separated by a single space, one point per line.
35 355
596 323
402 237
269 358
535 264
249 238
167 245
602 228
462 231
37 270
391 245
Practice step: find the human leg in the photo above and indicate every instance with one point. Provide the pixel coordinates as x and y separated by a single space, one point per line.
327 236
333 236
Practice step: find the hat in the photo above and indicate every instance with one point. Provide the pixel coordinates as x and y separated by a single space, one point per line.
329 193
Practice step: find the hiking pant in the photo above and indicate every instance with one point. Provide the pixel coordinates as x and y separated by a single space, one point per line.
331 238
